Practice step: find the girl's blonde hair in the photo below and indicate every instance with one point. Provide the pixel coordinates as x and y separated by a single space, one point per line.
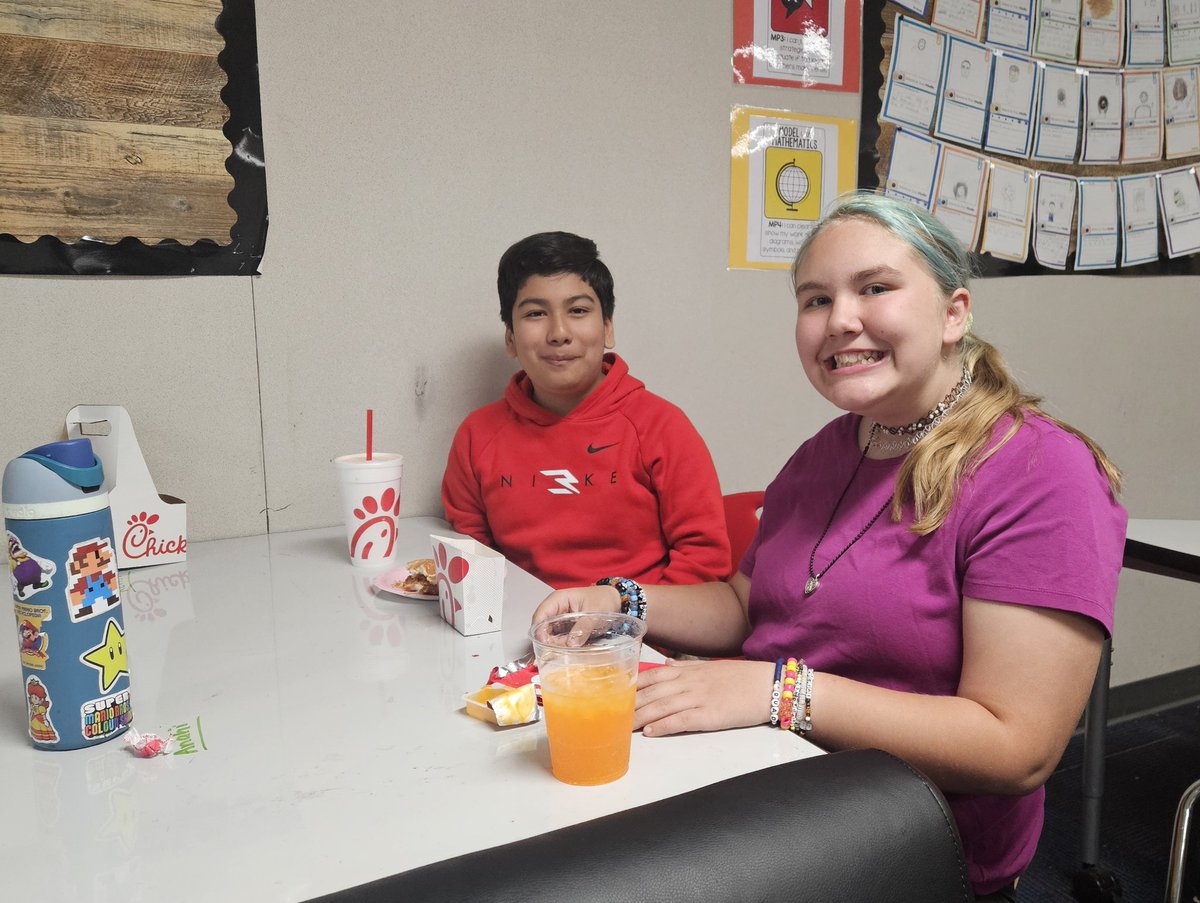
933 471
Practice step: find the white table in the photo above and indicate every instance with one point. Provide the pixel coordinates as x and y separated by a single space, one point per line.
1169 547
328 745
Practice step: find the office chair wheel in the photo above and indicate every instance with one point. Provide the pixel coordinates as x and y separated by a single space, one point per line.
1096 884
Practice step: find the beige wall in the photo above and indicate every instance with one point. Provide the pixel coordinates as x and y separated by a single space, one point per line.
407 145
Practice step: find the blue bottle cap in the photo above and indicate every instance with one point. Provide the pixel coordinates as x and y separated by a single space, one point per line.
73 460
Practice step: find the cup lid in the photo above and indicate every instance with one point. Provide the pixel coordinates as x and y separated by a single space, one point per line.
583 630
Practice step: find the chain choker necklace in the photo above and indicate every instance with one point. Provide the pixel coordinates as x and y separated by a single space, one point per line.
814 579
903 438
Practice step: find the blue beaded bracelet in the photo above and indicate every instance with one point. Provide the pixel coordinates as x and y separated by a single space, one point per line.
633 597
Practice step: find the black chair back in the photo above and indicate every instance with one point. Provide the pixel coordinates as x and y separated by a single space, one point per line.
849 826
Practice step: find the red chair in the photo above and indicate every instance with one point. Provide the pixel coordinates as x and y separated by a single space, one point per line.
741 519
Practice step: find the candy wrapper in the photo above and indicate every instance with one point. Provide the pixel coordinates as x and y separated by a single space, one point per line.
147 746
470 580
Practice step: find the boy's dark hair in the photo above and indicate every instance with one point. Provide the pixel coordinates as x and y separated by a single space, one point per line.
550 254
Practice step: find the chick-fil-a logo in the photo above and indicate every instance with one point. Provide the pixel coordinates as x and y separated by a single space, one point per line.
140 542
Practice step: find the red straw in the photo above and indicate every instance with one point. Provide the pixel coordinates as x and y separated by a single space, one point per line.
370 427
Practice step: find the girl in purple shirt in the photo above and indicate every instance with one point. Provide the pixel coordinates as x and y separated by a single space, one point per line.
940 562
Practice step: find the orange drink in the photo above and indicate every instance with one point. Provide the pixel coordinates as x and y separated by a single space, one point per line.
589 720
588 662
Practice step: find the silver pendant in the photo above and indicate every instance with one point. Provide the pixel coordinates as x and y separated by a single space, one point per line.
811 586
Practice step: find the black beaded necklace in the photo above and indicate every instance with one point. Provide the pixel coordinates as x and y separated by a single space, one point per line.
814 579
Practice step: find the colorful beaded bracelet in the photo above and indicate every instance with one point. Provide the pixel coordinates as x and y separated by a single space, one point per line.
791 696
787 707
633 597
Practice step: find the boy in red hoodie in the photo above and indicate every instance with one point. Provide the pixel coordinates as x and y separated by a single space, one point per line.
578 472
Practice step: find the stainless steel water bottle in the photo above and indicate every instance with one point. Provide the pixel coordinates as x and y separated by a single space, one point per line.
66 596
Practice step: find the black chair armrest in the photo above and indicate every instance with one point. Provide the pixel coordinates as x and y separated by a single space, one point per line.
854 825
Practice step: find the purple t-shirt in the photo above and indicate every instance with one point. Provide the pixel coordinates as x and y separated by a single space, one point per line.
1035 525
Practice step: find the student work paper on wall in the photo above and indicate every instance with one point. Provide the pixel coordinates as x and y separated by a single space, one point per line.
1055 210
910 94
1181 113
1179 201
1139 219
913 169
1097 234
785 169
1007 216
1145 38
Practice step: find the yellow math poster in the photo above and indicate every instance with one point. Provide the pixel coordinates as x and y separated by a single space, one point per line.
785 170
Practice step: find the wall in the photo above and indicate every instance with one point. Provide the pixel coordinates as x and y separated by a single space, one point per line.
407 146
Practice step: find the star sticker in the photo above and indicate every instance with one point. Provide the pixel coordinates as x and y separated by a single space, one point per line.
109 657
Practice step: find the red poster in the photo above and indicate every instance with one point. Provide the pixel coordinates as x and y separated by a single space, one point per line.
800 16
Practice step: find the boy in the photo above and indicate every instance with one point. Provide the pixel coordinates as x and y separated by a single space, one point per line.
578 472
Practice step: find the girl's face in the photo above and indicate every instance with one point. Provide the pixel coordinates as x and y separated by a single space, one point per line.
874 331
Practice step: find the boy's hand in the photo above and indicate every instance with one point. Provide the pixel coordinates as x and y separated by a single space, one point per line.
579 598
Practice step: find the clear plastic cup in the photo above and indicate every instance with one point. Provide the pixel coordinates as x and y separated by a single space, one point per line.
588 664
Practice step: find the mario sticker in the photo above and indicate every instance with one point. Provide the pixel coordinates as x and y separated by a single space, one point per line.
35 643
29 573
40 728
92 584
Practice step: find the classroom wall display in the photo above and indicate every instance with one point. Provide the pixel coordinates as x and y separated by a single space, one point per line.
785 168
1050 135
797 43
132 138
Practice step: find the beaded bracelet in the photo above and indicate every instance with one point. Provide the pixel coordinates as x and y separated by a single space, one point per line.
633 597
776 692
788 702
806 725
802 724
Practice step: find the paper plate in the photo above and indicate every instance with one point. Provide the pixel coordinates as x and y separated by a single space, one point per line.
386 583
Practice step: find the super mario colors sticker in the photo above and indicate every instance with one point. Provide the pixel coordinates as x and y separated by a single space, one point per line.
92 582
41 730
29 573
105 716
34 641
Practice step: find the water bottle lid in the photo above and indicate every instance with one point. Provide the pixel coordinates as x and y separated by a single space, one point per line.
73 460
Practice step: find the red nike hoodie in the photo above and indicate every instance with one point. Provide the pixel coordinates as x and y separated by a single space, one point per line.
622 486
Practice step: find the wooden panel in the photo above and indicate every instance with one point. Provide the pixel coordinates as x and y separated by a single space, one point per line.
111 121
186 26
150 206
108 145
73 80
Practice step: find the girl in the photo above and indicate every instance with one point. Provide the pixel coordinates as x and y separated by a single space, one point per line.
934 571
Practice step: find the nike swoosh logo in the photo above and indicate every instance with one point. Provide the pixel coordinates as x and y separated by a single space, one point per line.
592 449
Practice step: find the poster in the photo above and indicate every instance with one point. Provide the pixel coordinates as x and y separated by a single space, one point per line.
785 169
797 43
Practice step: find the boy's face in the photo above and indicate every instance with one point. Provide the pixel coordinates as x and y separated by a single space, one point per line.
559 335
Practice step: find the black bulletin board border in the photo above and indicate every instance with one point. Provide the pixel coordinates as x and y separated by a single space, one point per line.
48 256
875 141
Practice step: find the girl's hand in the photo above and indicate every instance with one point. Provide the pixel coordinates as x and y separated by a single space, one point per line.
579 598
703 696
